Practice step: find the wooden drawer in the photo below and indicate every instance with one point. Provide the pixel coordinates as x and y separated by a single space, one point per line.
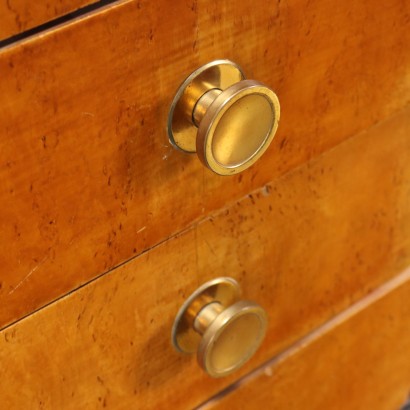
83 151
17 16
360 360
304 247
95 200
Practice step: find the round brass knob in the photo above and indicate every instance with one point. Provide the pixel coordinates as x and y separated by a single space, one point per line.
227 120
224 330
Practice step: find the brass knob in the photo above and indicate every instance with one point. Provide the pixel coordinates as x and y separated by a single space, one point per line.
224 330
227 120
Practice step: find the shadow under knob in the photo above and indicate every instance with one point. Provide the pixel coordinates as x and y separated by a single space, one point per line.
227 120
223 330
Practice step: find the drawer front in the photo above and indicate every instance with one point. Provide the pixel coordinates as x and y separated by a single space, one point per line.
304 247
17 16
83 151
360 360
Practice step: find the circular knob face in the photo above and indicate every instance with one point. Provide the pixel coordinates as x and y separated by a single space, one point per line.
238 127
232 338
223 330
227 120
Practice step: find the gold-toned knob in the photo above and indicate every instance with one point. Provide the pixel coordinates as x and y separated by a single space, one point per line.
224 330
227 120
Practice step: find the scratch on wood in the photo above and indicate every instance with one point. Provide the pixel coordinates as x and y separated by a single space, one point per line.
28 275
195 10
210 248
196 251
142 229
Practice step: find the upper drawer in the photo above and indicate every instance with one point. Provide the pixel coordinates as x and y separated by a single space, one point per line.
89 178
17 16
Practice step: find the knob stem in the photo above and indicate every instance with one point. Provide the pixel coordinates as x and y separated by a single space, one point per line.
206 316
203 104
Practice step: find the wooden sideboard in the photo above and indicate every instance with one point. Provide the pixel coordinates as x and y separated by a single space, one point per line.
106 229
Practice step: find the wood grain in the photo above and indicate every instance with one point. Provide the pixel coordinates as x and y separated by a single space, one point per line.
88 177
17 16
356 362
305 247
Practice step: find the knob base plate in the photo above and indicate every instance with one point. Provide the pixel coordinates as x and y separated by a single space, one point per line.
226 291
219 74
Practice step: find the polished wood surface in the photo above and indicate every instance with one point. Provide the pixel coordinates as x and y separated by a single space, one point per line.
304 247
360 360
17 16
83 151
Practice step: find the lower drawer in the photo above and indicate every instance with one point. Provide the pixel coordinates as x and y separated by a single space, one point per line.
360 360
304 247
